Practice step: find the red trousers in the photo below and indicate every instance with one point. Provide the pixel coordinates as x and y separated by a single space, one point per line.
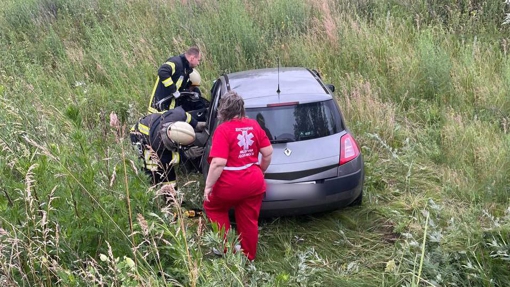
247 211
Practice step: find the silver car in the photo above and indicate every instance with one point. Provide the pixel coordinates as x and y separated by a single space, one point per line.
316 165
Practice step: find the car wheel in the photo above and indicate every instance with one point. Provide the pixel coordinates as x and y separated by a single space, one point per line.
358 201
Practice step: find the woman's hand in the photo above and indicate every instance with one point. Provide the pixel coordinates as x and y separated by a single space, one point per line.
215 170
207 191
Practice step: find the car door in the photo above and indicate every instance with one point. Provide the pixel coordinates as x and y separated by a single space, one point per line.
216 92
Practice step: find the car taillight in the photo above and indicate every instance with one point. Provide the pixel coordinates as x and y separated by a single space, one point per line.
348 149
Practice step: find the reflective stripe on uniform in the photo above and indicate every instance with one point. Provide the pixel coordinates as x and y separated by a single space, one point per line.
172 65
188 118
151 109
179 82
172 104
168 82
143 129
149 163
176 158
238 167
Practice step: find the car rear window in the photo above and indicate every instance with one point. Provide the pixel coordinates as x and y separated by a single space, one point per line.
298 122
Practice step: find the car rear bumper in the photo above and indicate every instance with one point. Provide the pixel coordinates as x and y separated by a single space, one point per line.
305 198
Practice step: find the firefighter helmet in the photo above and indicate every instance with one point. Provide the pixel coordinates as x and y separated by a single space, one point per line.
177 134
194 78
181 133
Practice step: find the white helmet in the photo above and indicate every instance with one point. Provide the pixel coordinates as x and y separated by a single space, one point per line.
195 78
181 133
178 133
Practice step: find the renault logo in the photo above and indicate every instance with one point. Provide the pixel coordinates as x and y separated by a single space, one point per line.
287 151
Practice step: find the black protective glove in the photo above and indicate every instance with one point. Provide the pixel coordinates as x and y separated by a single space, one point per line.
194 152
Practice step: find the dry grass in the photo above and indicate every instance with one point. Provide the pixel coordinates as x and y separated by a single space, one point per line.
362 105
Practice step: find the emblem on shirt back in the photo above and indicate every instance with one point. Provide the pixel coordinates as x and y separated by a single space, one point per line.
287 151
245 140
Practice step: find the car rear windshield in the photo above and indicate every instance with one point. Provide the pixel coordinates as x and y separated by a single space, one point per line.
298 122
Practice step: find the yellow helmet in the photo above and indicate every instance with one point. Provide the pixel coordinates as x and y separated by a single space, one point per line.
194 78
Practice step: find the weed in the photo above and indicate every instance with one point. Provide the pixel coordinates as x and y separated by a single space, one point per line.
422 84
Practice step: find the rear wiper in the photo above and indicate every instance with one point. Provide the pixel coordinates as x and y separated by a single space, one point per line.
284 140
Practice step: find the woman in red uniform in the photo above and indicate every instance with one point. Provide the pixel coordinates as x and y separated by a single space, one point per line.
236 178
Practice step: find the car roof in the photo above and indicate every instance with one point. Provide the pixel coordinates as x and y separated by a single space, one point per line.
259 87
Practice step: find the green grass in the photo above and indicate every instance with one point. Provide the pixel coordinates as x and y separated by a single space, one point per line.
422 85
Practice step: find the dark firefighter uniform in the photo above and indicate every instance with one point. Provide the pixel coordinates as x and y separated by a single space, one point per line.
195 105
173 74
159 161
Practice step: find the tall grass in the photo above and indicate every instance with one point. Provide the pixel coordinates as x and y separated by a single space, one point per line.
422 86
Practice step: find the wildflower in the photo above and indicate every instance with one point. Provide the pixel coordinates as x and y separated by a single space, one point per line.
390 266
114 120
104 258
130 263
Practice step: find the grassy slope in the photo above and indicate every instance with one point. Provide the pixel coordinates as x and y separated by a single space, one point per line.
423 85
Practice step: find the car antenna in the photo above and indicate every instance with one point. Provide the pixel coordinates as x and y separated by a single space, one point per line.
278 90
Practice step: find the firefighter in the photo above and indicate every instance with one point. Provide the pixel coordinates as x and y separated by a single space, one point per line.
152 137
193 102
173 76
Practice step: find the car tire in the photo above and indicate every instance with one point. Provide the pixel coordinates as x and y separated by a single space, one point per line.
358 201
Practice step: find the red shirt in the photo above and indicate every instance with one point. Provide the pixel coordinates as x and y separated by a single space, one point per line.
239 141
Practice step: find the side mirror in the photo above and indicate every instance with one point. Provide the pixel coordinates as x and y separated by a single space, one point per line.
331 87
